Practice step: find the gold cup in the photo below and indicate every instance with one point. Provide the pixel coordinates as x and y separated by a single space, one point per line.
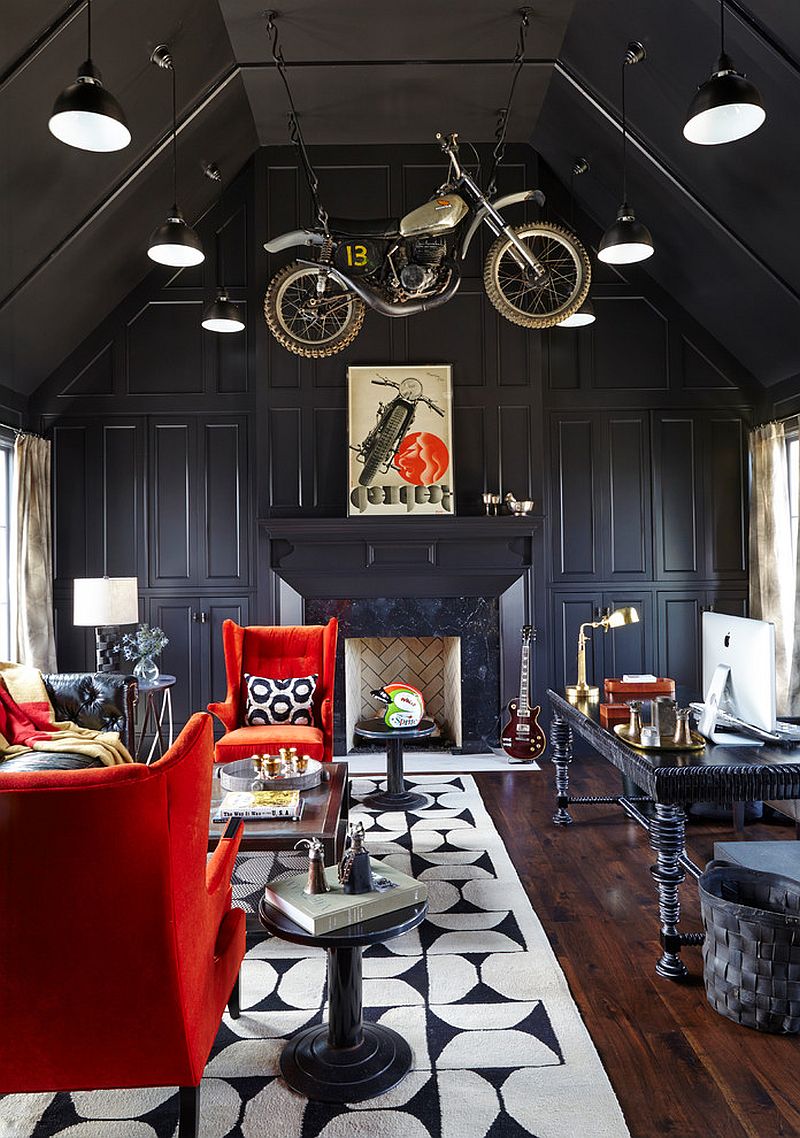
274 764
301 763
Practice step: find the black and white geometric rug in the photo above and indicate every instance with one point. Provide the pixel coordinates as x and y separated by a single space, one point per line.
500 1050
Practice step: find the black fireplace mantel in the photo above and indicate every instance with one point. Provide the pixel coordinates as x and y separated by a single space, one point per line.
400 556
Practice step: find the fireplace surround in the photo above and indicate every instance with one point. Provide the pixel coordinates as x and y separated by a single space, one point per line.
470 578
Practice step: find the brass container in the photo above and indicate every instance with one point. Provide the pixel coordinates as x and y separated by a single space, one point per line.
683 732
301 763
274 765
635 721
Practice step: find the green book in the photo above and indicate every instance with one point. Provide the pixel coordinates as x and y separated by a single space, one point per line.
324 912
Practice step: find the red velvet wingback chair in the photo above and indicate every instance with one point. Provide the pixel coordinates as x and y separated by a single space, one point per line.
279 653
118 945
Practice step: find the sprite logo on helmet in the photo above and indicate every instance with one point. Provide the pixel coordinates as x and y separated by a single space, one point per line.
405 706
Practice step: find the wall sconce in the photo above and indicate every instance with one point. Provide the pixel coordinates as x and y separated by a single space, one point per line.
104 603
582 690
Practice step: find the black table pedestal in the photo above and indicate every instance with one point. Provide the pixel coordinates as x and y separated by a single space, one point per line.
345 1060
395 797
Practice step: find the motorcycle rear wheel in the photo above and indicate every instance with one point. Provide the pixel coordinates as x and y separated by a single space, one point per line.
305 323
384 445
518 296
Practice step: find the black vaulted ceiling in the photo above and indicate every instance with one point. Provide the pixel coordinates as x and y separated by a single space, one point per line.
74 225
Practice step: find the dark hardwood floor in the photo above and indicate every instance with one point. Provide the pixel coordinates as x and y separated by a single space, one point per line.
677 1066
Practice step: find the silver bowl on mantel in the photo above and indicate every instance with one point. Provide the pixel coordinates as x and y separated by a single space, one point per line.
522 507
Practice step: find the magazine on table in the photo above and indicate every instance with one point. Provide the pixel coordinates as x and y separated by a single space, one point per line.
258 805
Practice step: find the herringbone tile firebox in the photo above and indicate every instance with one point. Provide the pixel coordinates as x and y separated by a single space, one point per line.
430 663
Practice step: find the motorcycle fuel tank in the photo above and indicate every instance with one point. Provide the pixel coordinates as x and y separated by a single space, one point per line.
439 214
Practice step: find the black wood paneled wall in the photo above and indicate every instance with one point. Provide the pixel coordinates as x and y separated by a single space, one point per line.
170 441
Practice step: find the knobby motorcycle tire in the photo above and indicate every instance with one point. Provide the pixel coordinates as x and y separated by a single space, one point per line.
583 276
300 347
383 446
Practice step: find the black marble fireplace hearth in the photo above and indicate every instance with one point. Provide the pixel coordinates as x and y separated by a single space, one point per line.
474 619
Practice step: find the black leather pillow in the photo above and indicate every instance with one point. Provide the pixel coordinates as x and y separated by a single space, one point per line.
280 702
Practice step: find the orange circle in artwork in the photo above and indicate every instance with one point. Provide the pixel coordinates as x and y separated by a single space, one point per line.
422 458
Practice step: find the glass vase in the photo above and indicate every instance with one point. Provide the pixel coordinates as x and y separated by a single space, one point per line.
146 670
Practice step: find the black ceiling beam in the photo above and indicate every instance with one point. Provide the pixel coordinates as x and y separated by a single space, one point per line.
763 33
150 156
41 41
590 97
267 64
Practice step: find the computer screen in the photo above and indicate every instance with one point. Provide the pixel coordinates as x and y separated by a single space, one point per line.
747 649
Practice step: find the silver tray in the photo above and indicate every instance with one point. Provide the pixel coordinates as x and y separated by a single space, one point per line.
240 776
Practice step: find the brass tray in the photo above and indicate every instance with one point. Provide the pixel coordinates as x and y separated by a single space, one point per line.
621 729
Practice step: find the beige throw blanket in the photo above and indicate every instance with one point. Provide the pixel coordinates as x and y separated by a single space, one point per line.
28 723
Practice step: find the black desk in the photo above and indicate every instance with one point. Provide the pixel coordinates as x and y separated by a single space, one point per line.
345 1060
671 780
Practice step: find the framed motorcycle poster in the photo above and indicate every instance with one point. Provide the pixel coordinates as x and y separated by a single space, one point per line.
401 440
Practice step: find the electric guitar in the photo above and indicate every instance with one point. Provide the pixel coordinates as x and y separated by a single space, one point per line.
522 738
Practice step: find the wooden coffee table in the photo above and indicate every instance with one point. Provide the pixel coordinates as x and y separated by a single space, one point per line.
325 814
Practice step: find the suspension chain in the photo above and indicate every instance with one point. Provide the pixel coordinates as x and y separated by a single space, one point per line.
295 129
503 115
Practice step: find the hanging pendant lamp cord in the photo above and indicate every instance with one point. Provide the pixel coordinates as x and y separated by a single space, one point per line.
295 130
174 141
722 27
502 117
89 28
624 138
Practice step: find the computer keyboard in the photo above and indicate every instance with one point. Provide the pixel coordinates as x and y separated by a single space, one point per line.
788 730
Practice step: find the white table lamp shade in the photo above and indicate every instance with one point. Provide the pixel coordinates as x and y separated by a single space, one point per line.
106 600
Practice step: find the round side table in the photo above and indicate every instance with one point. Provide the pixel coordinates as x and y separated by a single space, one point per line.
345 1059
150 689
396 796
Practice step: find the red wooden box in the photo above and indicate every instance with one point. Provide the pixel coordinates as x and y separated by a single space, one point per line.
613 713
617 691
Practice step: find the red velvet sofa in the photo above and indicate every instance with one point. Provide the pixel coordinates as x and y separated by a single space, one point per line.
118 945
279 653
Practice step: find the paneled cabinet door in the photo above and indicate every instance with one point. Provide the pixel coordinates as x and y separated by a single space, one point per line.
629 649
700 466
601 496
680 619
194 653
199 502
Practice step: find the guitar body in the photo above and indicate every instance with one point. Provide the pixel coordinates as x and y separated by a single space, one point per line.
523 739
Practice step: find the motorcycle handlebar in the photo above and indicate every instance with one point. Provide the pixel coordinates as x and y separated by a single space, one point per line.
448 143
433 406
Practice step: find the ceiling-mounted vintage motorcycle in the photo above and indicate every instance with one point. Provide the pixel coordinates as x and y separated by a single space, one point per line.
535 274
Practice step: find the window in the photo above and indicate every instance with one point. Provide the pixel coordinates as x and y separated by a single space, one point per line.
793 456
6 481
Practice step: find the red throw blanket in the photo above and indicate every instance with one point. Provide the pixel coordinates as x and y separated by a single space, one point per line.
28 723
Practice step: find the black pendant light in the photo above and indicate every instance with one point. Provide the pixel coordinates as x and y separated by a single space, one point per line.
626 240
727 106
585 314
174 243
85 114
222 315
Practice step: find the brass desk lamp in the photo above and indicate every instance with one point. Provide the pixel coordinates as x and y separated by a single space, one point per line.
581 690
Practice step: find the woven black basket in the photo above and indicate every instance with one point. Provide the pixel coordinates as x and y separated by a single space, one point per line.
751 954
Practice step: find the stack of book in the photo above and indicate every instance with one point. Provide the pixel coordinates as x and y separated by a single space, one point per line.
258 805
322 913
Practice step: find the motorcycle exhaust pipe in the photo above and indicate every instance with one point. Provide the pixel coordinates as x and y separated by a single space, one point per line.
394 308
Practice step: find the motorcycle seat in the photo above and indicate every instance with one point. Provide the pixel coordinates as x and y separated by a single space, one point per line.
372 227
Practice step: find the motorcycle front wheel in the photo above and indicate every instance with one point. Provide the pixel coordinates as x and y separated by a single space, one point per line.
305 322
383 445
538 303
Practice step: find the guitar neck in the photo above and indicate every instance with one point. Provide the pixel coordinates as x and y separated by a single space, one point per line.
524 683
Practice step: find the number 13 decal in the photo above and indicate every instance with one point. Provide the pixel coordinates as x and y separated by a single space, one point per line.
356 255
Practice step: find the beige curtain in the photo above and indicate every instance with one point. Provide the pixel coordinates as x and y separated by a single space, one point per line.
772 561
32 576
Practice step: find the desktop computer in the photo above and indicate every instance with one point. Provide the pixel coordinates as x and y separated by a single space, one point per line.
739 682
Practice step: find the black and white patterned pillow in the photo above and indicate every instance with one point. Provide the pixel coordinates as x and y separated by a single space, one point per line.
275 702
